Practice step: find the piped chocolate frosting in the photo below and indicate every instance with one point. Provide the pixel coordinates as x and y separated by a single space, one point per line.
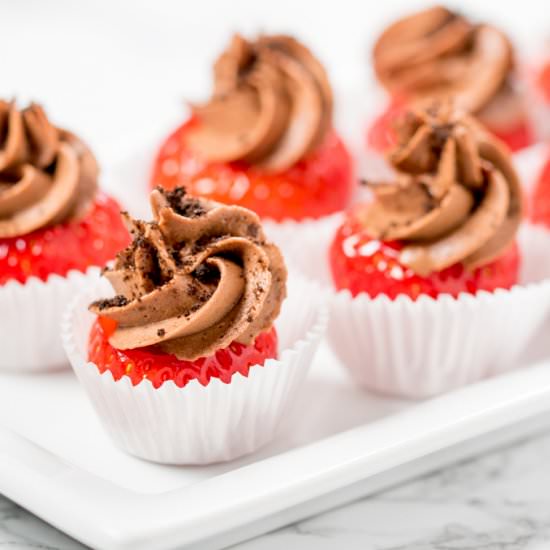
437 52
271 104
456 196
199 277
47 175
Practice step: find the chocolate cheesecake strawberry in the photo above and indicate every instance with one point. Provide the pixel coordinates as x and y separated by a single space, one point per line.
53 219
445 224
265 139
196 295
437 53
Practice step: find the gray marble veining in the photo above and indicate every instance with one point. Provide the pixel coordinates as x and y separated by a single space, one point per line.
500 501
21 530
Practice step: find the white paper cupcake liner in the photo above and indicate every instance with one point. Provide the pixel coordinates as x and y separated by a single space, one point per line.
30 317
423 348
201 424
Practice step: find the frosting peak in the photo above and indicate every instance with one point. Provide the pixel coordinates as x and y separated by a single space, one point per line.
197 278
47 175
456 196
437 52
271 105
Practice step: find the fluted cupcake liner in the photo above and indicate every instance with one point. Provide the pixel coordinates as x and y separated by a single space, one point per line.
31 313
201 424
429 346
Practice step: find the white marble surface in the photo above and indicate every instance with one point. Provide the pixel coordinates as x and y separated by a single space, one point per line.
500 501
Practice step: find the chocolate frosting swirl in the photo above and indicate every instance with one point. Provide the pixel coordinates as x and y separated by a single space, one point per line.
47 175
456 196
199 277
437 52
271 105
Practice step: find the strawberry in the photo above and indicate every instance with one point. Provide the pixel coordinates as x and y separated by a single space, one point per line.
158 367
519 137
77 245
381 135
316 186
540 198
543 81
362 264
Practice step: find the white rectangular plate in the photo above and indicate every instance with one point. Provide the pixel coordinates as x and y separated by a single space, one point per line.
338 443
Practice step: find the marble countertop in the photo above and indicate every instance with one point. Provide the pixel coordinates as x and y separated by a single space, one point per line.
499 501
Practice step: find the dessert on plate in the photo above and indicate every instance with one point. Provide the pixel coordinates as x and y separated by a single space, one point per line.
188 341
265 140
437 52
430 276
55 226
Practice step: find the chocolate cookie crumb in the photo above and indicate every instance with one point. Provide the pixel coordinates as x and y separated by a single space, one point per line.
206 274
116 301
183 205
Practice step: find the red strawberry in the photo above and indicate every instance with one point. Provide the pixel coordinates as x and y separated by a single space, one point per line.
543 81
519 137
540 199
362 264
78 245
148 363
381 136
316 186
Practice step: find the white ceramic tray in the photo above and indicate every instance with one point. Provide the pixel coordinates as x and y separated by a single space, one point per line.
339 443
